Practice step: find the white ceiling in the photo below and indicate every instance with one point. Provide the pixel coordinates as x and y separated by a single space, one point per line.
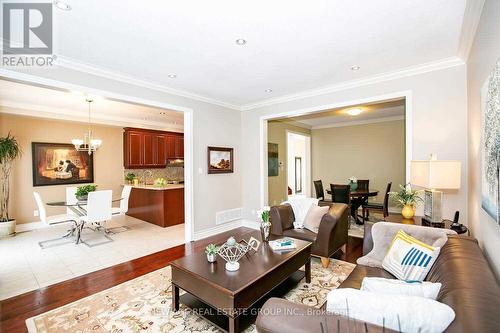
292 46
23 99
375 112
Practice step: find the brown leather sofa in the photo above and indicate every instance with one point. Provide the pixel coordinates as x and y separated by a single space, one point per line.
331 236
468 286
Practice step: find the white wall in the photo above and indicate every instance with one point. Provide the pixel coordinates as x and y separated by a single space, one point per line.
213 126
438 121
484 54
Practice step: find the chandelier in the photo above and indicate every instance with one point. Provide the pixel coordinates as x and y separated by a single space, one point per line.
88 144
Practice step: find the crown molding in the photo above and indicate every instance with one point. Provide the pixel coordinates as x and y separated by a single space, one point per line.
359 122
45 112
72 64
388 76
472 16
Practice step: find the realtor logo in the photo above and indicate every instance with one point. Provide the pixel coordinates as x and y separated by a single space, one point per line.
27 32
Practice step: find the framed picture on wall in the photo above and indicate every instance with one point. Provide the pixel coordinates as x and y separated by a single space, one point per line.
60 164
490 144
220 160
272 160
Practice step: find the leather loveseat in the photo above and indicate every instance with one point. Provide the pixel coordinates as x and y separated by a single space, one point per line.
468 286
331 236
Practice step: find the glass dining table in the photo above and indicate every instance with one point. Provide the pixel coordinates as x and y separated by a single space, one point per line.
79 208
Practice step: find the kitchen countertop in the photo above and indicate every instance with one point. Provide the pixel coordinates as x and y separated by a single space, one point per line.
158 188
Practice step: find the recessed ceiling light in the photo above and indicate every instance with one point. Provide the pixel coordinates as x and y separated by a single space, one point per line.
355 68
62 5
354 112
268 90
241 41
172 76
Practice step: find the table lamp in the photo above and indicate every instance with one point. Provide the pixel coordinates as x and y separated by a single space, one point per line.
434 175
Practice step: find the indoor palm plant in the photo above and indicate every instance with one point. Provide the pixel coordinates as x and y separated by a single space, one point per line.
9 151
406 198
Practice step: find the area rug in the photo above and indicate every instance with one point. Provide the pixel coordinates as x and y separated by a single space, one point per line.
143 305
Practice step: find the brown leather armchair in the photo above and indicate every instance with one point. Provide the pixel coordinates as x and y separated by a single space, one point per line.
331 236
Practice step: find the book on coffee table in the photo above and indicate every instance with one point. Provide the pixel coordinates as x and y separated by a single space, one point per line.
282 244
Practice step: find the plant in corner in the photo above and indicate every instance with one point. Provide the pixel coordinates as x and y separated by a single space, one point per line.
9 151
406 198
211 251
82 192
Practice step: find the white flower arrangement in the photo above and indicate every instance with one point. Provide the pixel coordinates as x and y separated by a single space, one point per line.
352 179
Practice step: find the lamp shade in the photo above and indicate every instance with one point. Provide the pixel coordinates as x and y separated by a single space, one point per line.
435 174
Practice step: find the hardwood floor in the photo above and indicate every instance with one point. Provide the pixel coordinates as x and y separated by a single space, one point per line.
14 311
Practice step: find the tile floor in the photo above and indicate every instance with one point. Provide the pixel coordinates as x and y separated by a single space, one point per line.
25 267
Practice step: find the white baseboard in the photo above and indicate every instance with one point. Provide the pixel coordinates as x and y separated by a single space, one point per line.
216 230
250 224
23 227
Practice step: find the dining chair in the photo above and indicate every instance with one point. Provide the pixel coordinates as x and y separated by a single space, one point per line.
320 193
98 212
341 193
123 209
363 184
380 207
55 219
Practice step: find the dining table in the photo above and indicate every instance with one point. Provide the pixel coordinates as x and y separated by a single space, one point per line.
79 208
358 197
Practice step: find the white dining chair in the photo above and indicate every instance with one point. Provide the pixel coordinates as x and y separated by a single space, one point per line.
55 219
123 209
98 212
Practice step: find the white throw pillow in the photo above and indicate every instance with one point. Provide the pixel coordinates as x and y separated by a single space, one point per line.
408 258
300 207
409 314
403 288
314 216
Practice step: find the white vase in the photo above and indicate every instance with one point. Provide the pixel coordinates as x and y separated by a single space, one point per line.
7 228
211 257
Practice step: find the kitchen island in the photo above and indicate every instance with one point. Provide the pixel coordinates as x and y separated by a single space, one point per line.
163 206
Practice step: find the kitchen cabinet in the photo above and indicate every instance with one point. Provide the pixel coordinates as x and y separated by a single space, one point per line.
148 149
160 206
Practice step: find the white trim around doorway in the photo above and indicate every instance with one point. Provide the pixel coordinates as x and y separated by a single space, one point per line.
188 129
406 94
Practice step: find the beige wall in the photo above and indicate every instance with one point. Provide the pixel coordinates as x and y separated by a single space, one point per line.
484 54
370 151
276 133
108 160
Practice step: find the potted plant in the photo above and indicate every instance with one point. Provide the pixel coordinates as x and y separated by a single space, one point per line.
265 224
82 192
211 251
353 182
406 198
9 151
129 177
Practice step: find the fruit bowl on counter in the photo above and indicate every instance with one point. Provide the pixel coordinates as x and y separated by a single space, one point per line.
160 182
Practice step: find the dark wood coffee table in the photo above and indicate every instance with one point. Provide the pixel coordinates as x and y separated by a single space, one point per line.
234 293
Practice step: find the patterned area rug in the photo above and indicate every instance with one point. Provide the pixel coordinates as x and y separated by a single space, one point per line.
143 305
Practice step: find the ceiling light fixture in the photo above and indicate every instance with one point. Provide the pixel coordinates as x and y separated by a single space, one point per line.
354 112
241 41
88 144
268 90
62 5
355 68
172 76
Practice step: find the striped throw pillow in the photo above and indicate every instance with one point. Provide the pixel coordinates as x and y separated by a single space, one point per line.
408 258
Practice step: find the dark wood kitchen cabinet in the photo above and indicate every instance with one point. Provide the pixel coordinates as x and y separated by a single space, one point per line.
148 149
